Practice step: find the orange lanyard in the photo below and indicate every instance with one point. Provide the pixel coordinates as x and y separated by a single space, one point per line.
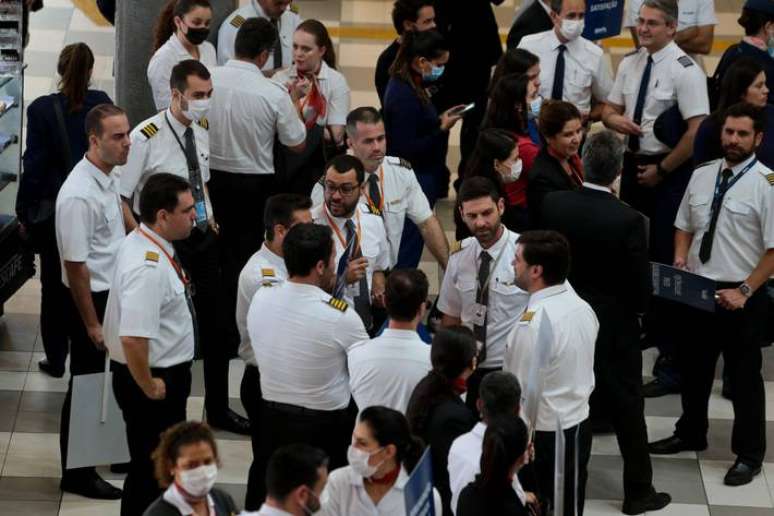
381 189
336 229
179 270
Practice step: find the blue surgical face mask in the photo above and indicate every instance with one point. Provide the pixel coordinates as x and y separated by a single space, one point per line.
534 106
770 44
435 73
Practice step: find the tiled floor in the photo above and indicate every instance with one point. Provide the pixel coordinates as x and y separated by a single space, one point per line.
30 402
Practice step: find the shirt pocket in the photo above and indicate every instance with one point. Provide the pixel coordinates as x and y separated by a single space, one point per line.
738 209
467 290
579 87
699 206
396 205
663 99
507 296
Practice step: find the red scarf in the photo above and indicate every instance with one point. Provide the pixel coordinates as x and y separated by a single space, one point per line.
387 479
313 105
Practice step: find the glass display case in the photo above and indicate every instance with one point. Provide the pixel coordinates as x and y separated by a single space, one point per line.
16 261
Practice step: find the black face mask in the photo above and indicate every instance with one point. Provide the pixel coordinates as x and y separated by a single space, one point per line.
197 36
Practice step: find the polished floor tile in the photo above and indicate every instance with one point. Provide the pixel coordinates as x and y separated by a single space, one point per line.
29 489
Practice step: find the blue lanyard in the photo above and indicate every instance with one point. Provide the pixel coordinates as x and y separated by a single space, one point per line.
718 197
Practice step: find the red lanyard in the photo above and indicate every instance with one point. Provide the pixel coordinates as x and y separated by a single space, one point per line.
336 229
381 189
179 270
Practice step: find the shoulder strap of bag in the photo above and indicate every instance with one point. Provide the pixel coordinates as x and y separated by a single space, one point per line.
63 138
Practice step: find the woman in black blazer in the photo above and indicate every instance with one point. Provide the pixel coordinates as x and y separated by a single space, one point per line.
503 453
557 166
52 150
435 412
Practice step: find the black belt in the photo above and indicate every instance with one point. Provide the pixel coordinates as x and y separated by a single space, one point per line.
298 410
118 366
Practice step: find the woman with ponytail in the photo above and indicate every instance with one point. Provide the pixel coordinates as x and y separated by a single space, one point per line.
381 457
504 452
181 33
436 413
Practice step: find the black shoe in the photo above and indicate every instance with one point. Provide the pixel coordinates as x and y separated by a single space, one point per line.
656 389
652 502
120 468
230 421
672 445
49 369
91 486
740 474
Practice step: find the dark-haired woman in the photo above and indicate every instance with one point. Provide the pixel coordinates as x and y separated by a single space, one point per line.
52 150
517 61
186 464
557 166
181 33
322 96
435 412
745 81
381 457
415 131
503 453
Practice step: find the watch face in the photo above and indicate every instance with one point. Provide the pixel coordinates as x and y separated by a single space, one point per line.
745 289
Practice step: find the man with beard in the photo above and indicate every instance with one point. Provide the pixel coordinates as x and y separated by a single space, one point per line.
478 288
300 335
362 249
725 232
541 265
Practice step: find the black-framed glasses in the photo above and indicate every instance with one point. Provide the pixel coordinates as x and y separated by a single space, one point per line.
343 189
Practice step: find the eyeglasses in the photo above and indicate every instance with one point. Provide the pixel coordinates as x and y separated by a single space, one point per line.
343 189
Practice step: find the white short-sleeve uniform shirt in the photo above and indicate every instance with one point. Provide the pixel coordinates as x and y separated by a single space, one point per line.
165 58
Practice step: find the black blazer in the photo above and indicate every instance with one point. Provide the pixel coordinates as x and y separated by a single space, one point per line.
472 502
546 175
610 267
534 19
447 421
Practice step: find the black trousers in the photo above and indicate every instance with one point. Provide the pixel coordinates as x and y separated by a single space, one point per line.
617 396
250 394
145 420
85 358
474 383
53 296
545 452
200 255
282 424
738 335
238 201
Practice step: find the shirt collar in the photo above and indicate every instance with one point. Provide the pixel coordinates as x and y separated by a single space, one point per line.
322 75
103 180
664 52
400 482
339 221
268 510
545 293
244 65
555 41
495 248
275 259
175 123
168 247
738 168
304 288
400 334
173 496
179 48
592 186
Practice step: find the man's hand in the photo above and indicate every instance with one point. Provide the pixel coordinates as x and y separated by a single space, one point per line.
731 298
157 390
214 226
96 336
377 289
356 269
299 88
623 125
680 263
647 175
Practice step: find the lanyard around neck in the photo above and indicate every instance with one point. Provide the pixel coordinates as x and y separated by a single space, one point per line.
178 269
336 229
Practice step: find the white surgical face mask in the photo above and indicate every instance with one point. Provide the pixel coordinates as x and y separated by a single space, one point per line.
197 109
358 460
199 481
571 29
515 172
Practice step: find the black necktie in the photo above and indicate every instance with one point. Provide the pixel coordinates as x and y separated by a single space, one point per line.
341 269
634 141
195 178
482 298
705 250
556 90
278 45
374 193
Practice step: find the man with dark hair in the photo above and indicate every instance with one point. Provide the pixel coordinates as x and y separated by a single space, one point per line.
177 141
89 230
150 330
265 268
362 252
407 15
499 396
279 14
725 232
248 114
295 479
618 288
300 335
384 371
566 379
392 187
478 288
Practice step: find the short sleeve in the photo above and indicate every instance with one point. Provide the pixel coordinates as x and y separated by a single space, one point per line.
247 287
691 90
705 13
449 300
140 295
76 223
383 261
683 218
136 163
767 216
418 209
350 329
226 37
603 80
318 194
290 128
339 101
616 95
159 72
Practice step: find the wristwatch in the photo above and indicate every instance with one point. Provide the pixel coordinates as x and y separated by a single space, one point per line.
745 289
660 172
